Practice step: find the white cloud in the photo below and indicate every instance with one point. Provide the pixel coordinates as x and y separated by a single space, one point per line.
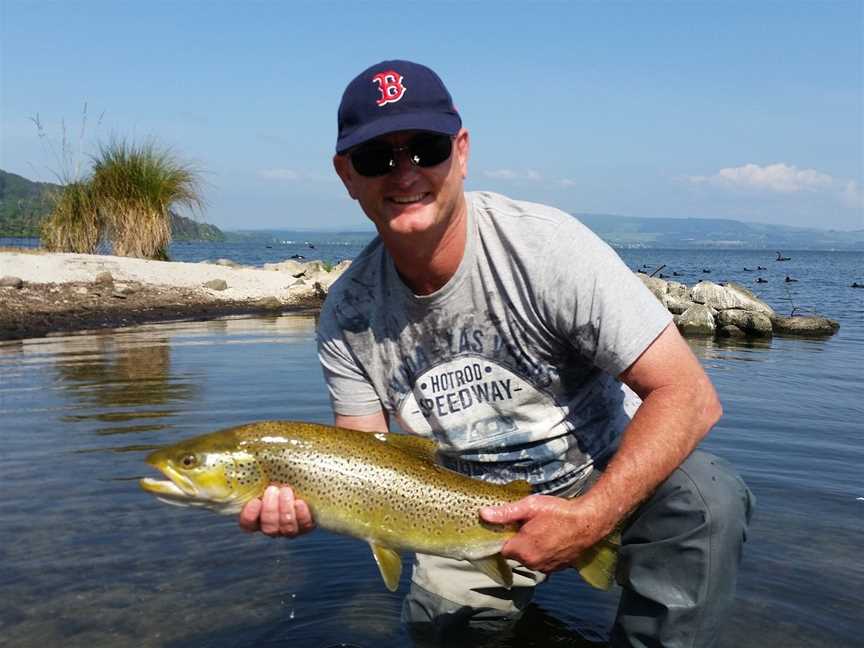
567 182
279 174
780 177
512 174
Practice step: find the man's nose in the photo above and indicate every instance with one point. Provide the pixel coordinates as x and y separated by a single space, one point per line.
405 170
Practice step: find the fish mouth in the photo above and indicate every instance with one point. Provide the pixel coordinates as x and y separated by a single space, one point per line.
177 489
180 490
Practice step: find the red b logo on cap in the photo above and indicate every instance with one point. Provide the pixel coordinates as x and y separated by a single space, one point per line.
390 86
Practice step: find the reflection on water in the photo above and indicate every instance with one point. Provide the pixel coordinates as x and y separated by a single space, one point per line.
116 378
87 559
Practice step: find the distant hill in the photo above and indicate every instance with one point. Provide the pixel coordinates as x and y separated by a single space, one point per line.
24 204
676 233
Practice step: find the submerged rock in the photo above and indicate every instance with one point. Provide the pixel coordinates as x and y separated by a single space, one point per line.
804 325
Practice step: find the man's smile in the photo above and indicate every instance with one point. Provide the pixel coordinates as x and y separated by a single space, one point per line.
407 200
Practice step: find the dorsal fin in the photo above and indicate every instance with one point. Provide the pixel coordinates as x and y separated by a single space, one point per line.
417 446
519 487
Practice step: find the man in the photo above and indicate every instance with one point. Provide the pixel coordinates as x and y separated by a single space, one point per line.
522 344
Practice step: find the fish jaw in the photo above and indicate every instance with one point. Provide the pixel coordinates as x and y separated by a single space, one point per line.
181 490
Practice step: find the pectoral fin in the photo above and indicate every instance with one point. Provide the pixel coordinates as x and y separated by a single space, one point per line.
596 565
389 563
496 568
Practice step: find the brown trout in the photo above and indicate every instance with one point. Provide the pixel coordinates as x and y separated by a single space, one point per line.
385 489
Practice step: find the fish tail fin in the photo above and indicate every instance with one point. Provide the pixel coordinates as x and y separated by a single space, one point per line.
496 568
596 565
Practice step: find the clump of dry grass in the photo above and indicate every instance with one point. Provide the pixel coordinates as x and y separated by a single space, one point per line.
74 224
135 187
126 201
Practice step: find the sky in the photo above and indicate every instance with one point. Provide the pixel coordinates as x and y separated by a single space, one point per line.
752 111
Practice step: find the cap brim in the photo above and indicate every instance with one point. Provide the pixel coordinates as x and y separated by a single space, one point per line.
447 124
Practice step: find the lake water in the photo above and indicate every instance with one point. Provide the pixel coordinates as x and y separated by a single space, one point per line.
87 559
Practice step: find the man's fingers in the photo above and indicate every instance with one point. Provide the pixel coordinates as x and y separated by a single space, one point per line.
249 515
304 516
507 513
269 519
287 515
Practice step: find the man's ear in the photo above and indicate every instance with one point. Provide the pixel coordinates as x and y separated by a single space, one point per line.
463 148
343 169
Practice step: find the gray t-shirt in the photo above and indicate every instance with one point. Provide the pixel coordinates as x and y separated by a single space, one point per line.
511 366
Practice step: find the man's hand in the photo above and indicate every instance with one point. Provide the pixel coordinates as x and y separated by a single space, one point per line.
276 514
554 530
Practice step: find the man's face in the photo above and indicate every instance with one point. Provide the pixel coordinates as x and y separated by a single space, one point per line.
409 199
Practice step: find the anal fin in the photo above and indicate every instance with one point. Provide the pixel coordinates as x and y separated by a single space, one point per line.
597 564
496 568
389 563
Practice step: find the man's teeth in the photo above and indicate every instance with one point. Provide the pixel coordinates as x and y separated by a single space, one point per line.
407 199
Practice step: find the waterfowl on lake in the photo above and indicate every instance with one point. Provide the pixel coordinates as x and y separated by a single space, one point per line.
758 267
855 284
706 269
790 279
761 280
748 269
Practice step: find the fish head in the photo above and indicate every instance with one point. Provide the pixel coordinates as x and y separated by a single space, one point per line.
213 471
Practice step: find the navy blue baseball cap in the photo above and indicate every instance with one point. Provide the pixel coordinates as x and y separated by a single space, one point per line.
394 96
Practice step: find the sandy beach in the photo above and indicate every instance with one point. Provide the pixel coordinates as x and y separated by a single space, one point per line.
44 293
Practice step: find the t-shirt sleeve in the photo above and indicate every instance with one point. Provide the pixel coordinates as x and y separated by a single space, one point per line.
351 391
595 301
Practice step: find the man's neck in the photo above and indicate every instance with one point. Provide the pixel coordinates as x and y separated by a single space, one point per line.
426 261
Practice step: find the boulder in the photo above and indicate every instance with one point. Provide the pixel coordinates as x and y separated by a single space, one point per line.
804 325
270 303
752 323
675 305
11 282
289 265
655 285
678 289
730 331
216 284
104 278
696 320
728 296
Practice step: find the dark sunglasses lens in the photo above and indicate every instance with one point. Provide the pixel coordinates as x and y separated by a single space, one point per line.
430 150
425 150
372 161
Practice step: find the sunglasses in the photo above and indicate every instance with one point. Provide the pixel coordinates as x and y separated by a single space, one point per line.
378 158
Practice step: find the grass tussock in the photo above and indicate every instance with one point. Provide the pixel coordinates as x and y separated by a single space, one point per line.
126 201
74 224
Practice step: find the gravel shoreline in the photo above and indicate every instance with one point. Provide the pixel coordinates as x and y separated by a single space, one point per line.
43 293
38 310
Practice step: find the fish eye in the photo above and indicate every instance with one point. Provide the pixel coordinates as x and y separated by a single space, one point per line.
189 461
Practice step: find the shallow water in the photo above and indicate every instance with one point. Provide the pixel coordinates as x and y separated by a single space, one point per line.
87 559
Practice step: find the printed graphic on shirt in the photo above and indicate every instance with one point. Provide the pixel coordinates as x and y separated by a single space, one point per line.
472 402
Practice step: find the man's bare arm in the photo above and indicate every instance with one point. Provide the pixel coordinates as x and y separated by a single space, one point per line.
277 512
679 407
